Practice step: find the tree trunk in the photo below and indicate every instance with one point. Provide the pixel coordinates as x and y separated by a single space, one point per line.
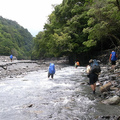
118 4
118 40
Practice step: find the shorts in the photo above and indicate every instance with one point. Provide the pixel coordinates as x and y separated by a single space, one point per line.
113 62
50 75
93 78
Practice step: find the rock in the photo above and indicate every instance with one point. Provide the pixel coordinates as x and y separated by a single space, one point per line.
31 105
118 93
113 88
113 77
105 94
112 101
98 84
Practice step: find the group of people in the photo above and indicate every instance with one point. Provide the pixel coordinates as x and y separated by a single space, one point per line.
51 69
93 69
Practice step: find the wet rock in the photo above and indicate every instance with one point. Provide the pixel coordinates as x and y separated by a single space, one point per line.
113 88
4 67
83 83
98 84
118 93
107 117
113 77
105 94
118 118
31 105
112 101
102 79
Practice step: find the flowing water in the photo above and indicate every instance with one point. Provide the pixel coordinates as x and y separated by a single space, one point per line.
33 96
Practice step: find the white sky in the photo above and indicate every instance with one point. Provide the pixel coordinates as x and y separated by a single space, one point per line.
31 14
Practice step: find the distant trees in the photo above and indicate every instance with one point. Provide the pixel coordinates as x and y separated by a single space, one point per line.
14 39
78 26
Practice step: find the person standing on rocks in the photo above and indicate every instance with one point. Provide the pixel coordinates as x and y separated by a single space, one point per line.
11 57
113 57
51 70
93 71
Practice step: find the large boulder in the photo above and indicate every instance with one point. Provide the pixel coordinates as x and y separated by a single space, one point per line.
112 101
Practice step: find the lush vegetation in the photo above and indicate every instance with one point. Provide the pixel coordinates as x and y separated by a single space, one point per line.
14 39
79 26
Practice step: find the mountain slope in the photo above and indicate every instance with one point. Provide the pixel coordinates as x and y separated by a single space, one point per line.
14 39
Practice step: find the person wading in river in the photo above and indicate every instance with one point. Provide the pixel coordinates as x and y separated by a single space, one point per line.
51 70
77 64
93 71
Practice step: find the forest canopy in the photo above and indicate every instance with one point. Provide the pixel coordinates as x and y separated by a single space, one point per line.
14 39
79 26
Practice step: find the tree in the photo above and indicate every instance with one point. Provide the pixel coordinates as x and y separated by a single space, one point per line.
103 23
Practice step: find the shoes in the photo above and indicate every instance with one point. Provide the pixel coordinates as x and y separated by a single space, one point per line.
94 92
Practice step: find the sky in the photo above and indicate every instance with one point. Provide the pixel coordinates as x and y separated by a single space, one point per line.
30 14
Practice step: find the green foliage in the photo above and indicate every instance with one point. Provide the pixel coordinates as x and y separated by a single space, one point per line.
14 39
76 26
104 22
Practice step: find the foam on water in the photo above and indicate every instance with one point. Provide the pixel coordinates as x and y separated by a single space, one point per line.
48 95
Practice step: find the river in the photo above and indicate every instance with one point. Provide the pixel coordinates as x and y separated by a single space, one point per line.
33 96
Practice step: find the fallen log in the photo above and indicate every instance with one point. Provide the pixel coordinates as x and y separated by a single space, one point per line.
105 87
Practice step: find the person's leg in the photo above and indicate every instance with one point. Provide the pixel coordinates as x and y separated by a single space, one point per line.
93 87
113 65
48 75
93 79
52 76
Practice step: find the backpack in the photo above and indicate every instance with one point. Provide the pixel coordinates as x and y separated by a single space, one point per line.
52 68
95 68
113 57
11 56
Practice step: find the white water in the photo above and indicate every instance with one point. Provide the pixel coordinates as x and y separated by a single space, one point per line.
35 97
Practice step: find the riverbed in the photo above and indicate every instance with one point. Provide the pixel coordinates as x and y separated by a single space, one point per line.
34 96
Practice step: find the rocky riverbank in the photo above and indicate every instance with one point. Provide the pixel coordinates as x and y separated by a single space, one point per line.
109 84
18 67
109 88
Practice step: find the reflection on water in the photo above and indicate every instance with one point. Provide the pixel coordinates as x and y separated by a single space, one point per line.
35 97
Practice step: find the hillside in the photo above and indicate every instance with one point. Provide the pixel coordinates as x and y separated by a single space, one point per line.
14 39
79 29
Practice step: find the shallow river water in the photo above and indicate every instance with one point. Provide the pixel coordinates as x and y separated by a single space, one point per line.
33 96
